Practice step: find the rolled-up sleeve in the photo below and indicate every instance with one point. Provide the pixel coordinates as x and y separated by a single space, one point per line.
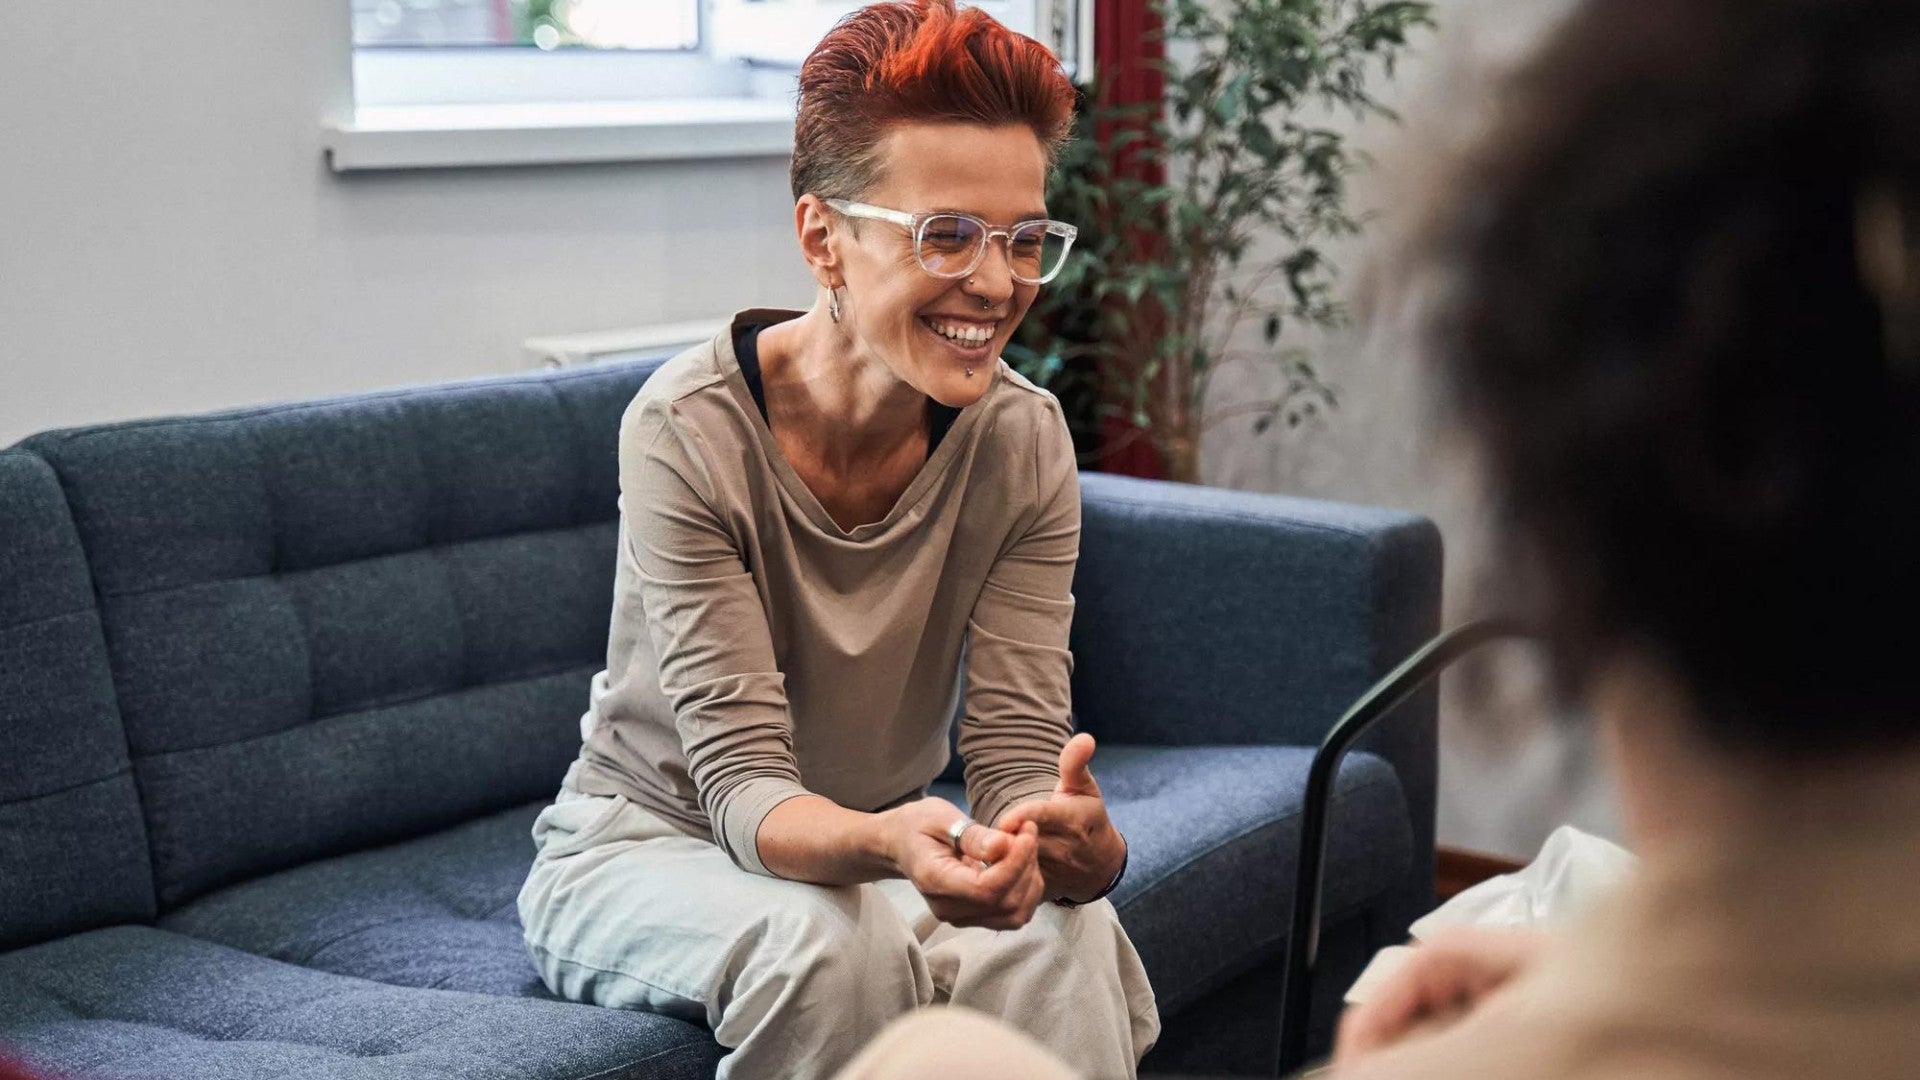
1019 699
710 632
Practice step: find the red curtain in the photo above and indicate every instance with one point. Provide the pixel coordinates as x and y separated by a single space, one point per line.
1125 47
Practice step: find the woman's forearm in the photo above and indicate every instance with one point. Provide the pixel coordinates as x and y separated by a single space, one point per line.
811 838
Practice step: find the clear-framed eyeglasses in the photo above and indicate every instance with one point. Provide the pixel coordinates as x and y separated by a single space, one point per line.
952 245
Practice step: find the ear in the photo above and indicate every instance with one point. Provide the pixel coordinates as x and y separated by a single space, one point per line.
819 240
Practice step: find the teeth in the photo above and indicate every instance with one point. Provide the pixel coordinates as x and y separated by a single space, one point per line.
965 335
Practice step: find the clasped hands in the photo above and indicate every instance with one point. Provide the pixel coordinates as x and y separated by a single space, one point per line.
1062 845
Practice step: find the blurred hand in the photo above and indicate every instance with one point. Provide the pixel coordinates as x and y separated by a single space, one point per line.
1080 850
1442 980
998 885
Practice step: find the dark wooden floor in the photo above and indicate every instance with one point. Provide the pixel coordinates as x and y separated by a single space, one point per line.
1457 869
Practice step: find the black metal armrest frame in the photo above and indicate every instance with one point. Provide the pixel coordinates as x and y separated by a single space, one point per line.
1303 942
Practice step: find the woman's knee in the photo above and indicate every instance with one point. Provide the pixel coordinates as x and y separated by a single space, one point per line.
843 943
1067 936
1084 947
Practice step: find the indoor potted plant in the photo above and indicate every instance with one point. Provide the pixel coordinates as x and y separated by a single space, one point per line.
1245 181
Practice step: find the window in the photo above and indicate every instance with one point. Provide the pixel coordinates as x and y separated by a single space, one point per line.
544 24
785 31
497 82
518 52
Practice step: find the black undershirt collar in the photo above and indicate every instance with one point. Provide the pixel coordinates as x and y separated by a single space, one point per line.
746 348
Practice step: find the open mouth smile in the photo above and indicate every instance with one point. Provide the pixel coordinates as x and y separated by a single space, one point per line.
970 339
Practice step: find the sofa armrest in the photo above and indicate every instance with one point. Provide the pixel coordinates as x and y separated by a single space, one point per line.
1205 615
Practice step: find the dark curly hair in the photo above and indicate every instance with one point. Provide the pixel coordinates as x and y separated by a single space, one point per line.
1682 323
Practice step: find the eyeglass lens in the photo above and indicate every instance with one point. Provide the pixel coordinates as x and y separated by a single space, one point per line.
950 244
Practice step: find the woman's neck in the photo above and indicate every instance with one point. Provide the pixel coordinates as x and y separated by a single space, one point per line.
1678 791
847 408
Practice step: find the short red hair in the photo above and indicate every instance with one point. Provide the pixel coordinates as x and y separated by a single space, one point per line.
917 60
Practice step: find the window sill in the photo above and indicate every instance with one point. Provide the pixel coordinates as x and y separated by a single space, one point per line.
463 136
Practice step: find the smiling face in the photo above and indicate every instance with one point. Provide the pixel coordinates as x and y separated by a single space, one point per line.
928 331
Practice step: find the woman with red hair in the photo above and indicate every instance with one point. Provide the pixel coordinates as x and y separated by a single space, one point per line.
839 527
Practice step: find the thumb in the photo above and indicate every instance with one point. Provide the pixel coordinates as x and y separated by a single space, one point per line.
1075 777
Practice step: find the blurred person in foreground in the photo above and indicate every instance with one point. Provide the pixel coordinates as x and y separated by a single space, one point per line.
1684 333
1680 318
836 526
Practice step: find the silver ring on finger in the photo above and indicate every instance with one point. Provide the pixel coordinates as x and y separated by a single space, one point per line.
956 830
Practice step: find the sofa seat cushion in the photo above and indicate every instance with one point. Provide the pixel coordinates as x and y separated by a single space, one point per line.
436 911
135 1001
1213 833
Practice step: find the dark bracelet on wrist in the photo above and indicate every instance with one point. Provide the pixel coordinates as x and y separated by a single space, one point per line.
1125 854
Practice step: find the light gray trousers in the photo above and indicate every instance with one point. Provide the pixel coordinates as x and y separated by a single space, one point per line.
621 909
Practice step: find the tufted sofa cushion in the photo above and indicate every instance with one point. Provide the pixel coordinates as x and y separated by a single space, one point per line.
341 623
132 1001
433 911
438 911
1205 615
73 851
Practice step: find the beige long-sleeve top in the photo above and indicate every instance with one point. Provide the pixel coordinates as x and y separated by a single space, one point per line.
758 651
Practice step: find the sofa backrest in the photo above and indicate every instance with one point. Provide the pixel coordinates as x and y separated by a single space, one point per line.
339 623
73 851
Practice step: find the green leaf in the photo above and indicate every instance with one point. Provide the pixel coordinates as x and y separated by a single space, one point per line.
1258 139
1231 105
1048 369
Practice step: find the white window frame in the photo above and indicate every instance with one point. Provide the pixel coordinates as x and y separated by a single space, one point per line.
784 31
461 106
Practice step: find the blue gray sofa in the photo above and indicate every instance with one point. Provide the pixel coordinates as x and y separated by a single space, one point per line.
283 688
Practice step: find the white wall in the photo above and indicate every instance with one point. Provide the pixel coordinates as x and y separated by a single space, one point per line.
174 242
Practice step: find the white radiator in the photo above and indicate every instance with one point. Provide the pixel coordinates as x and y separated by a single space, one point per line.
571 350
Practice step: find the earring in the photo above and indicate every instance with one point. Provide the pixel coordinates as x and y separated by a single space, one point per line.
833 304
